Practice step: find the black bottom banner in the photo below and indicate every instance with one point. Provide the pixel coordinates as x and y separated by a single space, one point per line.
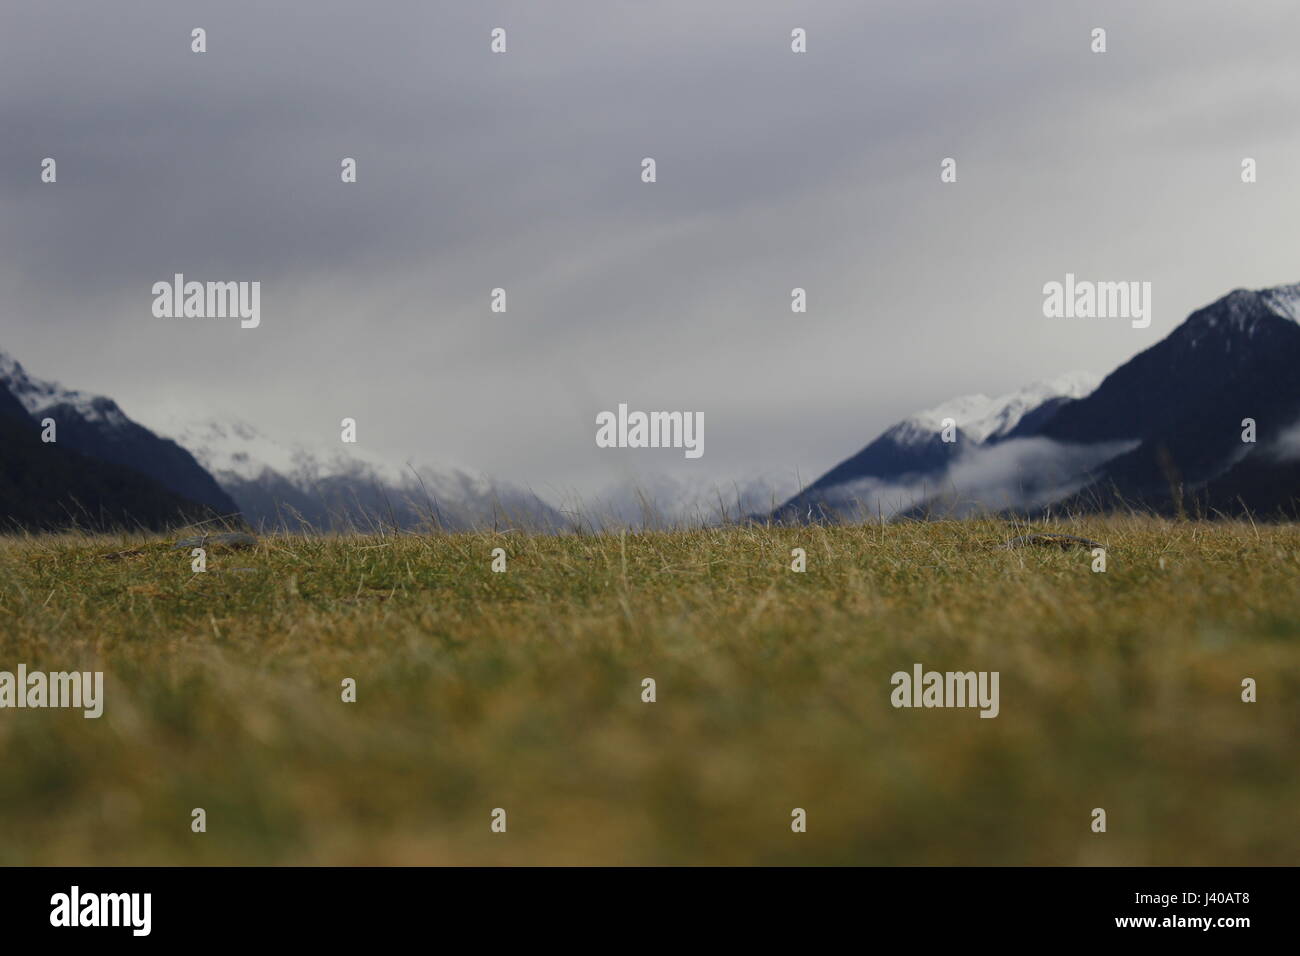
216 905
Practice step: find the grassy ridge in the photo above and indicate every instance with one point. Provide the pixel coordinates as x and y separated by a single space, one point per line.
522 690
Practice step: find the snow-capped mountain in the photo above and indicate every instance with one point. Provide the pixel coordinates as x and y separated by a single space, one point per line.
237 451
1206 420
913 452
38 396
44 485
1163 431
294 486
94 426
227 469
980 419
1283 300
1186 400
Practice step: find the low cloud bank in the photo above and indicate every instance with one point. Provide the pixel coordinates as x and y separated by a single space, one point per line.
1021 474
1287 445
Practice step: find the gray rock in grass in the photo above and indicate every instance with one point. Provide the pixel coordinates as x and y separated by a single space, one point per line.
231 540
1043 539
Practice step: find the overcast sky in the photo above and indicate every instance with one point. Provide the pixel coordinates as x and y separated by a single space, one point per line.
522 171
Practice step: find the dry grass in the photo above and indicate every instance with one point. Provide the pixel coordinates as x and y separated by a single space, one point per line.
522 690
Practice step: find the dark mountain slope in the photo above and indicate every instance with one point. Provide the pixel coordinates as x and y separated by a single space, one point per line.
1185 398
95 426
47 487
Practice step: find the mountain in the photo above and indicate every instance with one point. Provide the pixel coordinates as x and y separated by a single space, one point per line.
11 408
106 470
46 486
94 426
296 487
1183 401
912 453
1163 432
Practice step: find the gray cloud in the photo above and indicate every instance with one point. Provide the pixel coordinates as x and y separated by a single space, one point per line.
1286 447
1016 475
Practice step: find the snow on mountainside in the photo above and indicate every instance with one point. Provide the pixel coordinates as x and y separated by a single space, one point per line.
1164 430
912 455
238 451
281 485
1241 314
1283 300
981 418
38 396
1187 399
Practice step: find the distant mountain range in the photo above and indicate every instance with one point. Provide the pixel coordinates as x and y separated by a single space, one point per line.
296 487
1163 432
106 470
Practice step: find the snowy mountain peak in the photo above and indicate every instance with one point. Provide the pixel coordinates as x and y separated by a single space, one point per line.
327 486
1284 300
234 448
38 395
981 418
239 450
1241 314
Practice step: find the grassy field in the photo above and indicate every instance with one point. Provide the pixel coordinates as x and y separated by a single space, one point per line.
522 690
